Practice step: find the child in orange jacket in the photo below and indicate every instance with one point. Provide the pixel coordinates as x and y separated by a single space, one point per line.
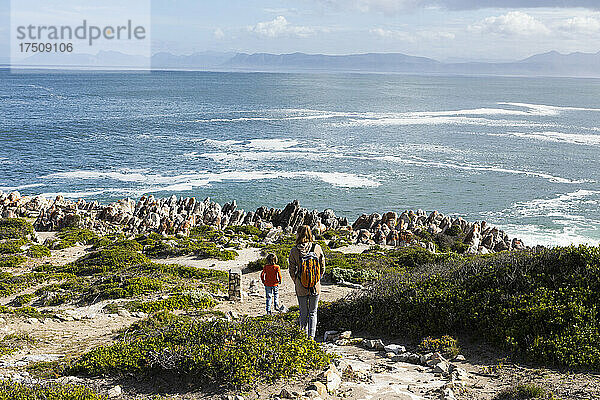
271 278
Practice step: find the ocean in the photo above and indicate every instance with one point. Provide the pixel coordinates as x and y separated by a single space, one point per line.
521 153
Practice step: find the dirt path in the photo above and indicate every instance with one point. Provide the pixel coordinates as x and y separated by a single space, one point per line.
254 303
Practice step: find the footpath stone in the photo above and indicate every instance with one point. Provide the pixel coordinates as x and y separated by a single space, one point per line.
115 392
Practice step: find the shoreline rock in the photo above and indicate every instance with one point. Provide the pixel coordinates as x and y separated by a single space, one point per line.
179 215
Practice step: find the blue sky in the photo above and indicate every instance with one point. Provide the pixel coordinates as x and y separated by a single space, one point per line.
442 29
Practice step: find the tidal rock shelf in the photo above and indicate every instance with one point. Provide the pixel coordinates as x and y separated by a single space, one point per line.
179 215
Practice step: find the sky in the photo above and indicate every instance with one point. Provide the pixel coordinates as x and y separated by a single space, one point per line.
447 30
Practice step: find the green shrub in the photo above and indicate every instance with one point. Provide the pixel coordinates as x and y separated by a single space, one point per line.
12 246
69 237
353 276
10 390
25 311
446 345
237 354
14 342
118 287
10 284
38 251
125 245
281 249
102 261
245 229
189 272
11 261
454 230
540 306
525 392
15 228
157 246
46 369
179 301
22 299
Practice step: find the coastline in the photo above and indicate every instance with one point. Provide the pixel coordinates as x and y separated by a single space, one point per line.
178 216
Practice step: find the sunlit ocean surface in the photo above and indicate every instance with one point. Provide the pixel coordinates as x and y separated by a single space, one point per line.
522 153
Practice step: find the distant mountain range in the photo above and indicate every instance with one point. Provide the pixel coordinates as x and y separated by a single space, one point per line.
547 64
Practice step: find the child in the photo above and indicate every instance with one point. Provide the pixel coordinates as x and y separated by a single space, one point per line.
271 278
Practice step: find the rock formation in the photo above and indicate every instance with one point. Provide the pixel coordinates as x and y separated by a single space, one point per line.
179 215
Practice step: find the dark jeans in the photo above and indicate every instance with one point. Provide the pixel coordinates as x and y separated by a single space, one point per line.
308 314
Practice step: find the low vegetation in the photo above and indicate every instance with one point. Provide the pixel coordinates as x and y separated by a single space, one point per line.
15 236
377 262
10 390
235 354
540 306
117 270
14 342
446 345
15 228
525 392
201 245
178 301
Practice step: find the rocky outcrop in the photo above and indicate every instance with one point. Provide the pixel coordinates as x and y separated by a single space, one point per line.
179 215
395 229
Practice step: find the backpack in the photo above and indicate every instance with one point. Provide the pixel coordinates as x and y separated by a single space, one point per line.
310 269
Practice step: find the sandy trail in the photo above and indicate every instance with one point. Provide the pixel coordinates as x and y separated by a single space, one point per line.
254 304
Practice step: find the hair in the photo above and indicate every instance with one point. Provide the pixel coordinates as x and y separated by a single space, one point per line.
271 259
304 234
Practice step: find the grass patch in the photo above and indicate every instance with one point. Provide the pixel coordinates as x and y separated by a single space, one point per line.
540 306
10 390
376 262
158 246
71 236
38 251
15 228
178 301
234 354
446 345
14 342
25 311
525 392
11 261
12 246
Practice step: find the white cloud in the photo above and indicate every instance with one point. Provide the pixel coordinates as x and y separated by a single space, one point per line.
219 34
397 6
387 6
584 25
280 27
514 23
393 34
412 36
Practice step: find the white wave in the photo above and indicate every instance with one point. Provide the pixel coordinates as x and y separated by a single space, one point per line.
13 188
560 206
74 195
437 120
307 154
221 143
492 168
556 137
317 115
204 178
543 109
272 144
566 219
115 175
533 235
